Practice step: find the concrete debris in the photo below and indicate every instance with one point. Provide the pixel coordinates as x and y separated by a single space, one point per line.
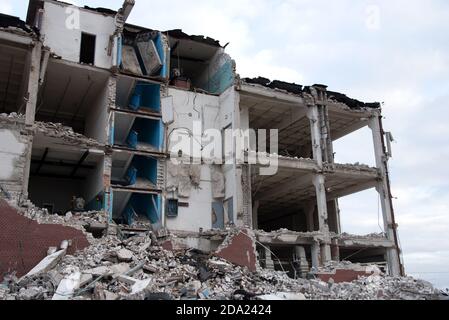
12 116
282 296
68 285
57 130
47 263
79 220
368 236
157 274
124 255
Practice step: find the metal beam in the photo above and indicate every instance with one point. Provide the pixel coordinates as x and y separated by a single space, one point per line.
79 164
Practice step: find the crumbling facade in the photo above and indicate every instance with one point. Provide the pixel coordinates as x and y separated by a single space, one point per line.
102 101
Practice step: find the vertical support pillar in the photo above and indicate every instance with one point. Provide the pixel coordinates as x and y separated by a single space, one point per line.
326 255
301 259
26 171
383 188
335 250
33 83
316 134
108 193
30 112
319 179
316 254
269 264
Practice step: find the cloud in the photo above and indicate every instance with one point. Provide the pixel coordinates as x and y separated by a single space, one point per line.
6 6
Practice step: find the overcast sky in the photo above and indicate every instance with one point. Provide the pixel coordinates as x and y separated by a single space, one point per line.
396 52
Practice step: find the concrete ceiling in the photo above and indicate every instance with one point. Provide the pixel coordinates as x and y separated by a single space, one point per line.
291 121
287 191
69 93
51 157
274 113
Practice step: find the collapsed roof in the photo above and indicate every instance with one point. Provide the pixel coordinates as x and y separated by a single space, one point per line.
299 90
7 21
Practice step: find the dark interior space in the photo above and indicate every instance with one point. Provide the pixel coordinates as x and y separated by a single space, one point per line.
87 51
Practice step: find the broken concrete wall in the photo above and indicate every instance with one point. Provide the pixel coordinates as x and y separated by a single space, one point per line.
196 186
240 249
24 242
220 75
98 116
15 146
94 185
62 26
196 208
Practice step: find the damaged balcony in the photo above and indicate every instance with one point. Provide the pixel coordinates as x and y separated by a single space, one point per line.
199 63
187 62
144 53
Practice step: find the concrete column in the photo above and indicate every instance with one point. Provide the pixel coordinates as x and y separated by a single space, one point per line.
269 264
316 254
256 205
33 83
108 196
335 250
319 179
320 189
26 171
301 258
383 189
313 116
326 255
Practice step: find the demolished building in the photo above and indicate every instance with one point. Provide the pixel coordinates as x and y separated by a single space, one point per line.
88 109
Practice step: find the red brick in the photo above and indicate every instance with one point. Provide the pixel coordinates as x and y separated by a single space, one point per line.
343 275
24 242
240 251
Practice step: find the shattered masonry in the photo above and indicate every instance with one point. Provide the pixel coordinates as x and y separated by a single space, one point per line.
86 125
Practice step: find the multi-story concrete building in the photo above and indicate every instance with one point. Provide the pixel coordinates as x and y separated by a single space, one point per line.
130 93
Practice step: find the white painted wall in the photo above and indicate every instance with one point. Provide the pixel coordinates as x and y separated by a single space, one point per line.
66 42
212 112
94 183
97 118
199 213
189 107
11 149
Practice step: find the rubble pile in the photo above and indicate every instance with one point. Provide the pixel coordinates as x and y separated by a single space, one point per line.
57 130
138 268
12 116
368 236
76 220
